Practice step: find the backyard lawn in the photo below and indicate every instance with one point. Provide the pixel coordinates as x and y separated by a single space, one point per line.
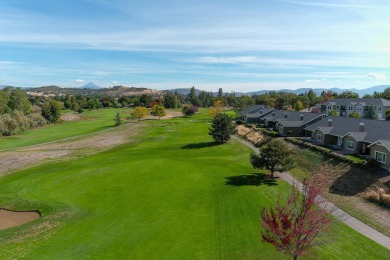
169 193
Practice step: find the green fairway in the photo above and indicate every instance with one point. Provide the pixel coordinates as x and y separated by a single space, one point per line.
170 194
92 121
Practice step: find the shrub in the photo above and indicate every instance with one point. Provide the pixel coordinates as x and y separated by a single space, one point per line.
22 121
384 198
372 196
270 133
37 120
189 110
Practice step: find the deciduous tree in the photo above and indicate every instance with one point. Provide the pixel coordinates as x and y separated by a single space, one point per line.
217 108
159 110
354 115
221 128
294 226
348 94
275 157
139 113
189 110
51 110
332 113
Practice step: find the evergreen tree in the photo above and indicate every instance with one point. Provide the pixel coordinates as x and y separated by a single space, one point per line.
371 113
220 93
117 119
386 94
275 156
221 128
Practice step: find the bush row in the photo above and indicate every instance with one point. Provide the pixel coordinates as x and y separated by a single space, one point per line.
269 133
16 122
322 150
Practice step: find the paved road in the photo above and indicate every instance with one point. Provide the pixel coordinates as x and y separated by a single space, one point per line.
332 209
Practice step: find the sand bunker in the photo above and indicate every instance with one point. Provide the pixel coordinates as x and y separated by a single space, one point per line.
10 219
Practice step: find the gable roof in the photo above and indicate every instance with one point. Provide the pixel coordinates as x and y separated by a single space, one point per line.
385 143
293 117
341 126
253 109
354 101
257 114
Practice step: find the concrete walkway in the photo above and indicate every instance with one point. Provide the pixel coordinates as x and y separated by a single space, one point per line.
332 209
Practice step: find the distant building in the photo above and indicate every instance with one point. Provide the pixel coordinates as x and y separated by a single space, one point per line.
345 106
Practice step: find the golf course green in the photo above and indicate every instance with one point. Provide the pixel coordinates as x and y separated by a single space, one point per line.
168 193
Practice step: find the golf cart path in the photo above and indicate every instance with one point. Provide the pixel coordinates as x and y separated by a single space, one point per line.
332 209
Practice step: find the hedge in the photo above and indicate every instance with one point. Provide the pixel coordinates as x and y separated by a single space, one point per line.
322 150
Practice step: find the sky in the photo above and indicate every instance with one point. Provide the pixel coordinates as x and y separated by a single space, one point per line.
241 46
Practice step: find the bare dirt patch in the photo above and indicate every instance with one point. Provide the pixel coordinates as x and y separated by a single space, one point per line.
28 156
10 219
70 117
170 114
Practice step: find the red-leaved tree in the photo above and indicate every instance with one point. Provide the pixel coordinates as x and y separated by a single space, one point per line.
294 226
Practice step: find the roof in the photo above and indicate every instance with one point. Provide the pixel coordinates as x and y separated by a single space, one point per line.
361 101
253 109
385 143
293 117
341 126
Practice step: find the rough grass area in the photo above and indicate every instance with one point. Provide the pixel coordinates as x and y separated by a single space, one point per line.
249 134
86 123
347 186
170 193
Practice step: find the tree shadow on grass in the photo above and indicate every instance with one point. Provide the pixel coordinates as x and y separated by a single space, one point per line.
253 179
199 145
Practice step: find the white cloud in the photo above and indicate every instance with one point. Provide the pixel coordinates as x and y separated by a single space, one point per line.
115 82
312 80
377 76
79 80
228 60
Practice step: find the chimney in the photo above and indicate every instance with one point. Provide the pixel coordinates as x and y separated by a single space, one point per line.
330 122
285 115
361 127
261 112
301 117
273 113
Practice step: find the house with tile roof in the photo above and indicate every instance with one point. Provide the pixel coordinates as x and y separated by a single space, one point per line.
345 106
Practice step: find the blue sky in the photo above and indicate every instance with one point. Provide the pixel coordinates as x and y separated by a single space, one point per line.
242 45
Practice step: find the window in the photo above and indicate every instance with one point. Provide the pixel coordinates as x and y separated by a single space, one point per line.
380 157
379 108
350 145
329 107
337 107
319 137
339 141
350 108
358 108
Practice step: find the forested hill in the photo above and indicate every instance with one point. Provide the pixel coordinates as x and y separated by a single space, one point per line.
116 91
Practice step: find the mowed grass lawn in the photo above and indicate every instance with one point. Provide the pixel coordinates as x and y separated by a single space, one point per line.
92 121
170 194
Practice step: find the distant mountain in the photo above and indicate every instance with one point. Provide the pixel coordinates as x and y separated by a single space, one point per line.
91 85
318 91
184 91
